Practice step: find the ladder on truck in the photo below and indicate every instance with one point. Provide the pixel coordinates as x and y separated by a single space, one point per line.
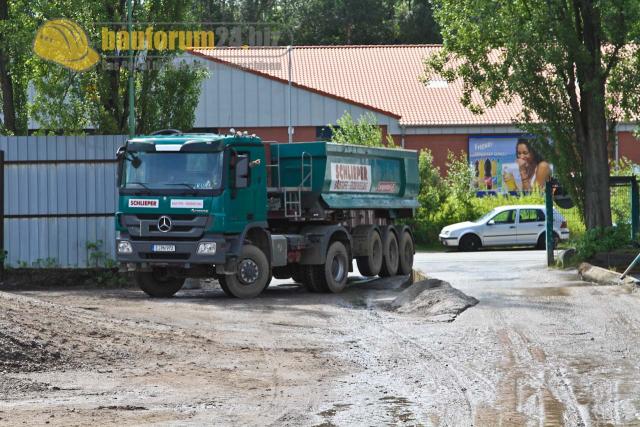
292 196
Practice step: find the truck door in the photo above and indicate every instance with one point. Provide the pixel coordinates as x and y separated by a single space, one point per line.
247 188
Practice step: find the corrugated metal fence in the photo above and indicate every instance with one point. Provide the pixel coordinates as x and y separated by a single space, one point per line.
59 194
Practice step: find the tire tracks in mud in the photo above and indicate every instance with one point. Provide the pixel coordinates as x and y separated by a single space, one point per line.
458 410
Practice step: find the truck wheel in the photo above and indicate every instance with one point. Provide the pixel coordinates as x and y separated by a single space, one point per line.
370 264
406 254
313 278
336 267
224 287
252 276
390 260
158 283
296 273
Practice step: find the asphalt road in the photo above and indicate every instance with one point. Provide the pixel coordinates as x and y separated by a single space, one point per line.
540 348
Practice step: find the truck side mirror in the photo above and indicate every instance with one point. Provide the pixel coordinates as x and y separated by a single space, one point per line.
120 154
242 171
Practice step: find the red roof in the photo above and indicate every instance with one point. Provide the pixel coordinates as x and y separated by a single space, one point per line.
382 78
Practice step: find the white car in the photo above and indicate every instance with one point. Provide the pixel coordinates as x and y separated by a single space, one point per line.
518 225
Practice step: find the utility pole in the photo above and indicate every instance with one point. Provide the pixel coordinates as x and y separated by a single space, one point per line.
132 113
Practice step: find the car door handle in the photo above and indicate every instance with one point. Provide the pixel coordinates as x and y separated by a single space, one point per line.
540 225
512 226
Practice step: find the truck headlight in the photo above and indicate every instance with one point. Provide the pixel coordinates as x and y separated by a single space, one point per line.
124 247
207 248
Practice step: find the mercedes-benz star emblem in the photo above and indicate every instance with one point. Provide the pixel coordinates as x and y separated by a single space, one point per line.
164 224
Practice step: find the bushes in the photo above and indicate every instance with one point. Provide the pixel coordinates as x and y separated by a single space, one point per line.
601 240
451 199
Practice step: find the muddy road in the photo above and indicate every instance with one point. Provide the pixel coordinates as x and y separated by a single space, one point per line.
540 348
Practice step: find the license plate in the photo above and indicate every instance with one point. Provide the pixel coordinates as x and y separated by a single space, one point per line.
164 248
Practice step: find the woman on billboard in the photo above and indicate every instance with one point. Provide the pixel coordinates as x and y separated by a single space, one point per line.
534 171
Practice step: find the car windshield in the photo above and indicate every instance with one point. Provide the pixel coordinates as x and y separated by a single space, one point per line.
486 216
189 171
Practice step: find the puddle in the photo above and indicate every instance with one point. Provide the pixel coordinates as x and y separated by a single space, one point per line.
398 410
331 412
548 292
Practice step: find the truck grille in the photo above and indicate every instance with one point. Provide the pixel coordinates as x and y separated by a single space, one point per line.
183 227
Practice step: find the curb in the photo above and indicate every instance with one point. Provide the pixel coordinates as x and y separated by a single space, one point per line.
602 276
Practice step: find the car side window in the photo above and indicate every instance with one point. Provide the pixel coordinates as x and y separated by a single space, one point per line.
531 215
506 217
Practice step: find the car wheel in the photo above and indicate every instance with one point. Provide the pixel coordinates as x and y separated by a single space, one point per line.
470 243
542 244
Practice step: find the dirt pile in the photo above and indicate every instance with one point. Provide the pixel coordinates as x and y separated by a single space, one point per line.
433 299
37 336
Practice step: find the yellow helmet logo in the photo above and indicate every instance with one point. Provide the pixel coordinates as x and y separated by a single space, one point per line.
65 42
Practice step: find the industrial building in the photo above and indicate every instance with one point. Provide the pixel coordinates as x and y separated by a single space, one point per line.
267 90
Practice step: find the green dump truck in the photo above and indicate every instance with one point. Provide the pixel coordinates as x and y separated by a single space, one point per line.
208 205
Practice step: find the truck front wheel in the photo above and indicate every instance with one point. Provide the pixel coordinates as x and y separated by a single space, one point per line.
252 275
158 283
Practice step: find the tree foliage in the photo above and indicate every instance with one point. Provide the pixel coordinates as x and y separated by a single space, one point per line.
330 22
572 64
365 131
69 102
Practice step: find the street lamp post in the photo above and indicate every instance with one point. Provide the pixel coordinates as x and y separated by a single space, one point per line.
132 115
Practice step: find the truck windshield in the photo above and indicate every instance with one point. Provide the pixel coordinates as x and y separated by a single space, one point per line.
182 171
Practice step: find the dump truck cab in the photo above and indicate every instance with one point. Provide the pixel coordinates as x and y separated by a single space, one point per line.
208 205
187 202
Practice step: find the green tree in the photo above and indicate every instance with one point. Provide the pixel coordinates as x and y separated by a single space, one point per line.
332 22
17 27
573 65
415 22
68 102
365 131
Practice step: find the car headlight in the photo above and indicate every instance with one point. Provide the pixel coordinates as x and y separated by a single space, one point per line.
124 247
207 248
446 232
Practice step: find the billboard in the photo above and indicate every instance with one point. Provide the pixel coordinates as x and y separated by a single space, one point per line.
506 164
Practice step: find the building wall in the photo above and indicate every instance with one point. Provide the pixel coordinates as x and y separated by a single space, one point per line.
439 145
629 146
234 98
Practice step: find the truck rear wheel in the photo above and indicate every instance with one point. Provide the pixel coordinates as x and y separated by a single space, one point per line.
296 273
252 275
336 267
313 278
390 260
406 254
158 283
370 264
332 275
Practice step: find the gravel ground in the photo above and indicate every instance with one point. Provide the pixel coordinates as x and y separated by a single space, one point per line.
540 348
